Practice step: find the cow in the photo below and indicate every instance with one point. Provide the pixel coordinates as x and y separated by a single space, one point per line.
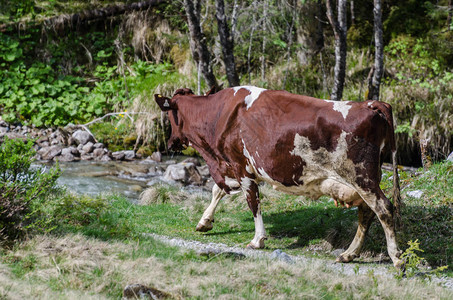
297 144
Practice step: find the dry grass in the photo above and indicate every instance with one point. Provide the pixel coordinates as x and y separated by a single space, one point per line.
76 267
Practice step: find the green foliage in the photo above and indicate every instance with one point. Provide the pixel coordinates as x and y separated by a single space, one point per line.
37 94
22 188
413 263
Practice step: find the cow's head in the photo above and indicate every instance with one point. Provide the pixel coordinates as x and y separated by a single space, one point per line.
177 139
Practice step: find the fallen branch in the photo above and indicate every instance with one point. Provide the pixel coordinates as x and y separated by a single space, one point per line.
126 113
82 18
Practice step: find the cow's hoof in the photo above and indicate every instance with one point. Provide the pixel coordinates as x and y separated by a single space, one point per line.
345 258
204 227
257 245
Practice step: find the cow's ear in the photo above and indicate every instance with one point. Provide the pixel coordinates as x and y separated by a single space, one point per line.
164 102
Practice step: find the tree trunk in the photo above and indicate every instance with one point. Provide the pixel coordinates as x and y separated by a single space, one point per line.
340 30
263 55
227 43
375 85
198 45
449 18
352 13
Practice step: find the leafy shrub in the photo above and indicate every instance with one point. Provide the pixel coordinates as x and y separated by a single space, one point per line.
21 188
36 93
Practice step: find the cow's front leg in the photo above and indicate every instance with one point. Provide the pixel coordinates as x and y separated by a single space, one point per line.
366 216
251 191
205 223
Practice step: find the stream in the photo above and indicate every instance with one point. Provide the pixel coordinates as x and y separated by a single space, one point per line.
128 179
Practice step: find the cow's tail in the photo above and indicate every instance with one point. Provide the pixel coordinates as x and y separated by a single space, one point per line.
386 110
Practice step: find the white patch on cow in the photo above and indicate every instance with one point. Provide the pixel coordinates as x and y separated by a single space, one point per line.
322 165
342 107
245 184
232 183
255 92
248 156
249 169
382 146
260 231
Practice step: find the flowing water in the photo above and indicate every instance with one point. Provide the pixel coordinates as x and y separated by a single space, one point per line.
128 179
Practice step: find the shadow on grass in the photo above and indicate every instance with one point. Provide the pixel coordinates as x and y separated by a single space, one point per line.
432 226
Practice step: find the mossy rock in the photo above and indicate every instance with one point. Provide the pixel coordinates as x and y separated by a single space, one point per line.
145 151
129 140
189 151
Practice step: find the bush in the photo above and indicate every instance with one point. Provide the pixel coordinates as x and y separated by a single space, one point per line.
22 187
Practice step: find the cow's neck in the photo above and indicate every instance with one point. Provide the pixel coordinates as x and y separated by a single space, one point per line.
199 117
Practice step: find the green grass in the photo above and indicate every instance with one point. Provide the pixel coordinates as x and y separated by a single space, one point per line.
293 224
100 246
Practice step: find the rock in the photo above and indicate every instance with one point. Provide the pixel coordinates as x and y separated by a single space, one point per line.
99 152
156 156
83 137
66 157
280 255
3 130
118 155
192 160
337 252
139 291
70 150
155 171
450 157
86 156
133 169
88 147
49 153
129 155
98 145
183 172
106 158
79 147
204 171
72 141
55 142
15 135
135 188
417 194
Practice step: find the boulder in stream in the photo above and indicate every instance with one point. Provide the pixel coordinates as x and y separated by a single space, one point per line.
186 173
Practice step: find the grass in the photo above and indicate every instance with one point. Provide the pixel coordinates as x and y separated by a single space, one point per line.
99 247
296 224
73 266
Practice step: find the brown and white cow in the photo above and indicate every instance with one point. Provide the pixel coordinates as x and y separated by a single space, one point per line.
297 144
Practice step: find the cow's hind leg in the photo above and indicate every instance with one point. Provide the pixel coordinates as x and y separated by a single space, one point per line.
252 194
366 216
383 208
205 223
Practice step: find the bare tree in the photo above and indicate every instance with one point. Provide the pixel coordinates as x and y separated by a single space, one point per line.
264 28
352 13
227 42
198 45
340 30
375 83
449 18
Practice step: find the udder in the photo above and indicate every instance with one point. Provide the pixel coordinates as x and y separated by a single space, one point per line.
341 193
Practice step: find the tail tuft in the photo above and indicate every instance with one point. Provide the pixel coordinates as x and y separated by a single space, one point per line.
396 190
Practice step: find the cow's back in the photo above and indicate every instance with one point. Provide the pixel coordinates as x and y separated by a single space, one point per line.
296 142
